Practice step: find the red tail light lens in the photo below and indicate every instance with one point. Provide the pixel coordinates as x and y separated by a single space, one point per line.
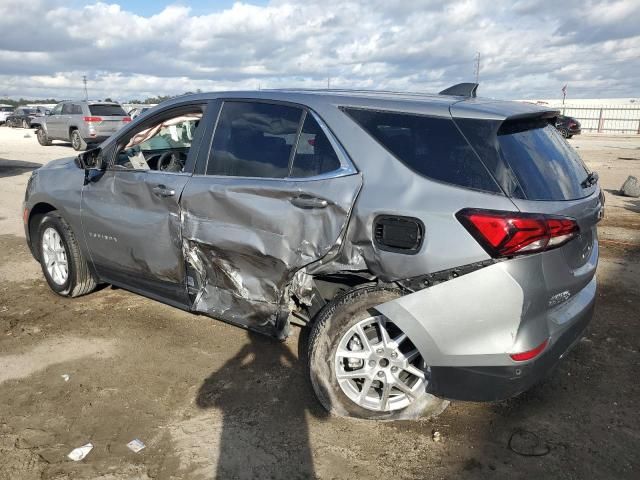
126 119
92 119
530 354
505 234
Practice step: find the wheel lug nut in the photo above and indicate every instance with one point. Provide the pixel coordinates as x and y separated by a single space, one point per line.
372 363
394 354
381 373
380 351
394 369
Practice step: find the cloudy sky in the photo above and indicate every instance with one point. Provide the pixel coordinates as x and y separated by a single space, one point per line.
144 48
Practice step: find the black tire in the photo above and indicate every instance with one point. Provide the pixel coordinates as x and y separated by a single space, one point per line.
564 132
330 325
43 138
77 142
80 278
25 124
569 136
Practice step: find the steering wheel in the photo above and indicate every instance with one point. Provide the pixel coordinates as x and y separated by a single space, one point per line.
171 162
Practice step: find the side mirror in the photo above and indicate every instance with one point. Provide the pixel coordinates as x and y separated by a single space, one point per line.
91 162
47 112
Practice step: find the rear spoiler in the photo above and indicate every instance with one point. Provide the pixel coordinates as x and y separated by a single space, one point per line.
527 121
461 90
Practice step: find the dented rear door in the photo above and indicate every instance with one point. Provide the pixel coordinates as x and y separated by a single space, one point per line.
244 236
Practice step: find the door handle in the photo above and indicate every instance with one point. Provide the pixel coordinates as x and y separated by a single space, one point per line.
307 201
163 191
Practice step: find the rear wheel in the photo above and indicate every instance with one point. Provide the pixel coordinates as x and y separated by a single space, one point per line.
65 268
363 365
77 142
43 138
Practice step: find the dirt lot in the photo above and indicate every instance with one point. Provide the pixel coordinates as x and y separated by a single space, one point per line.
210 400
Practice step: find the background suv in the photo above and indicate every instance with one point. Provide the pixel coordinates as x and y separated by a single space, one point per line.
5 111
82 123
431 245
568 126
21 117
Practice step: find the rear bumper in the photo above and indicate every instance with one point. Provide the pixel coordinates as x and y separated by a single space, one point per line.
499 383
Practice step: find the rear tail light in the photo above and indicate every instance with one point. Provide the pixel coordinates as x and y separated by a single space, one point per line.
126 119
530 354
92 119
505 234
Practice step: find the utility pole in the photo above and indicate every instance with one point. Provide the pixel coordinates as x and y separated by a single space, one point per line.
477 67
86 93
328 83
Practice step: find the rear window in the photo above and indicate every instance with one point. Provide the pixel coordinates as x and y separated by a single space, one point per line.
254 139
430 146
107 110
529 158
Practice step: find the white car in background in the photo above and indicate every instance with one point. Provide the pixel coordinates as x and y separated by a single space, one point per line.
5 111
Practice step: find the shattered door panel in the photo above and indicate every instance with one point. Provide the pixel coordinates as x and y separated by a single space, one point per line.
244 240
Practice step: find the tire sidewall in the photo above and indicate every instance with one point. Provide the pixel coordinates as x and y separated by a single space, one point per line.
42 137
53 221
332 323
76 145
25 124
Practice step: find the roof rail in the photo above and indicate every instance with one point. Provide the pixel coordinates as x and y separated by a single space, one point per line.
461 90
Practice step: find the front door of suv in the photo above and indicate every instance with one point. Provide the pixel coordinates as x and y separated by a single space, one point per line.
274 197
54 122
131 216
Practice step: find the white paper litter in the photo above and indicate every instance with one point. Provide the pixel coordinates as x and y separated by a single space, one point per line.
66 377
135 445
79 453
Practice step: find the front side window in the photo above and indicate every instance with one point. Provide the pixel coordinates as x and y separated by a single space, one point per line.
57 109
254 139
67 109
162 146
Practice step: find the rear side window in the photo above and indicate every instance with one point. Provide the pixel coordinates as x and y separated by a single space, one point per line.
430 146
254 139
529 158
76 109
314 153
107 110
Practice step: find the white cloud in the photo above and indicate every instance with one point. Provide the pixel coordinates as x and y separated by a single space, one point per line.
528 50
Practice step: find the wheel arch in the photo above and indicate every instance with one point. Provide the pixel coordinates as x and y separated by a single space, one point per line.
36 213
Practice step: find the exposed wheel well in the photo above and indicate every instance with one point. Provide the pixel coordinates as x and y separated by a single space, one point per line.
71 129
35 215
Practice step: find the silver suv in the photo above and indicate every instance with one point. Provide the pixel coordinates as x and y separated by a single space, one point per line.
432 245
82 123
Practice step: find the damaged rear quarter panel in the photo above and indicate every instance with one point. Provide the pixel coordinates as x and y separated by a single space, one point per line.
245 240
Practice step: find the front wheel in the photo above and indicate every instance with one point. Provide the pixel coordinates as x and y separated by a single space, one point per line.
63 264
77 142
362 365
43 138
25 124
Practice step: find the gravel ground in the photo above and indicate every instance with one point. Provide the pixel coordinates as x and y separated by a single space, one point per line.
210 400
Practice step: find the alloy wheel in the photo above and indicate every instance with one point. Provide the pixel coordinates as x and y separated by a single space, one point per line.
54 256
378 367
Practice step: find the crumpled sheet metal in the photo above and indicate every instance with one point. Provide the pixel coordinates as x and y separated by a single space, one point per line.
246 259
